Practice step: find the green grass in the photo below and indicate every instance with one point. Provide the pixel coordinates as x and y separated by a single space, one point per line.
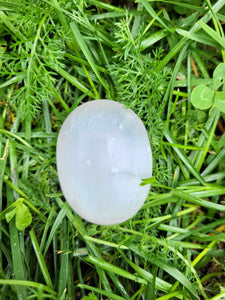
148 55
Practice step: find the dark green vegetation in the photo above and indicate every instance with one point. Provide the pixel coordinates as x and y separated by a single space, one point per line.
55 55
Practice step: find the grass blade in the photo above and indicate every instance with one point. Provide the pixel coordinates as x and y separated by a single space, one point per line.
214 163
40 259
101 292
159 283
153 38
63 273
106 6
198 37
153 14
208 142
26 283
109 267
176 274
198 201
73 80
76 221
18 265
183 157
55 226
214 35
206 18
221 296
3 160
9 25
170 295
87 53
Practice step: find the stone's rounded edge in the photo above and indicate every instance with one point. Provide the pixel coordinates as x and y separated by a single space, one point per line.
122 220
116 222
59 148
104 221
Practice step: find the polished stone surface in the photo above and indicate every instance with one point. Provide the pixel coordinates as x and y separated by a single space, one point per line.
103 152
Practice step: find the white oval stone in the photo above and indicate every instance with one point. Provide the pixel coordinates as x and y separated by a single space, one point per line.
103 152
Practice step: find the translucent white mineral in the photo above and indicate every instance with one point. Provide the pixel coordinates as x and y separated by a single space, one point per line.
103 152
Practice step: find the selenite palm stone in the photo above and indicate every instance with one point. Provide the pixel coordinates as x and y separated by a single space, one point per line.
103 152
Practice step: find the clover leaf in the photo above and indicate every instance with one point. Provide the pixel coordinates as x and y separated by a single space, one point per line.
21 213
23 217
219 101
219 75
202 97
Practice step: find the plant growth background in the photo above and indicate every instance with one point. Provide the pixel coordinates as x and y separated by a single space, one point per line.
148 55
